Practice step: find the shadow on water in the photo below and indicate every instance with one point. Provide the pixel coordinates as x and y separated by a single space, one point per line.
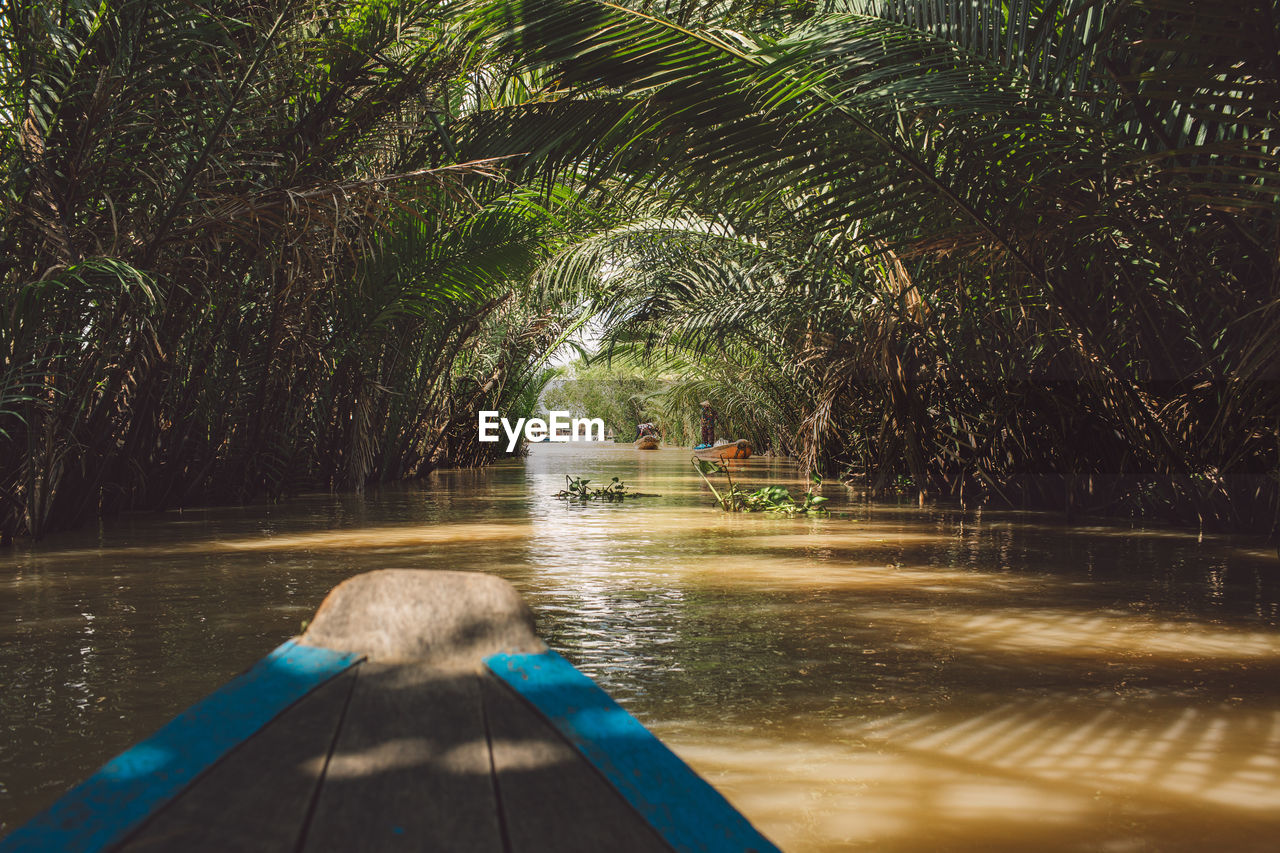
898 679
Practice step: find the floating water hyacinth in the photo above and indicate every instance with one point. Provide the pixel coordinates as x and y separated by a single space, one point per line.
767 499
579 489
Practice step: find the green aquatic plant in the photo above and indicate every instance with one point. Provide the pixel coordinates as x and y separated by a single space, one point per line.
579 489
765 499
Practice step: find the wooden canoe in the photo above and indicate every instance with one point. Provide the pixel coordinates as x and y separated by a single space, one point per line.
647 442
740 449
419 711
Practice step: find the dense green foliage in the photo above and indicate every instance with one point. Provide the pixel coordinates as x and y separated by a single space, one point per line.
241 256
662 388
616 393
1022 251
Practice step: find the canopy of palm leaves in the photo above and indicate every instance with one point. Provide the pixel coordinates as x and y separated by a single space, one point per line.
1021 248
1017 250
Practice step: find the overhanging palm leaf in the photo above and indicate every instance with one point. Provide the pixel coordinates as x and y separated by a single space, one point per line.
985 139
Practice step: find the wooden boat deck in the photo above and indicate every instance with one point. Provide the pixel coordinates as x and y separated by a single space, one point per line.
380 731
392 757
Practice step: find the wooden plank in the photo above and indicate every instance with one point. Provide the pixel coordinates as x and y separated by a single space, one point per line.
451 619
111 803
258 798
551 798
686 811
410 769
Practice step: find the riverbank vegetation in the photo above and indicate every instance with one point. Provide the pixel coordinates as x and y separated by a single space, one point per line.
652 387
241 257
1020 252
618 393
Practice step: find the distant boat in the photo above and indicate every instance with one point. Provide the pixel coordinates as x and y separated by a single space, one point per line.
647 442
740 449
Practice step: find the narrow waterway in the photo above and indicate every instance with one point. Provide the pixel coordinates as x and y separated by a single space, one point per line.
890 678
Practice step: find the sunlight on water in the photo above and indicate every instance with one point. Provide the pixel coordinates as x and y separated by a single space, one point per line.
1104 636
890 678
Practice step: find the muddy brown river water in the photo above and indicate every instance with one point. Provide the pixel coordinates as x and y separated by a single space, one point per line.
891 678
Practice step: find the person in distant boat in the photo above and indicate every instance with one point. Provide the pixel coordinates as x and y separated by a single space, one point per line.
646 429
708 424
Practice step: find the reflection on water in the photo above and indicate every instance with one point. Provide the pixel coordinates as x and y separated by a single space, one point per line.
890 679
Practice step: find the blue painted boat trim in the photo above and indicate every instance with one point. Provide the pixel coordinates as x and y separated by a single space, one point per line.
108 805
678 803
